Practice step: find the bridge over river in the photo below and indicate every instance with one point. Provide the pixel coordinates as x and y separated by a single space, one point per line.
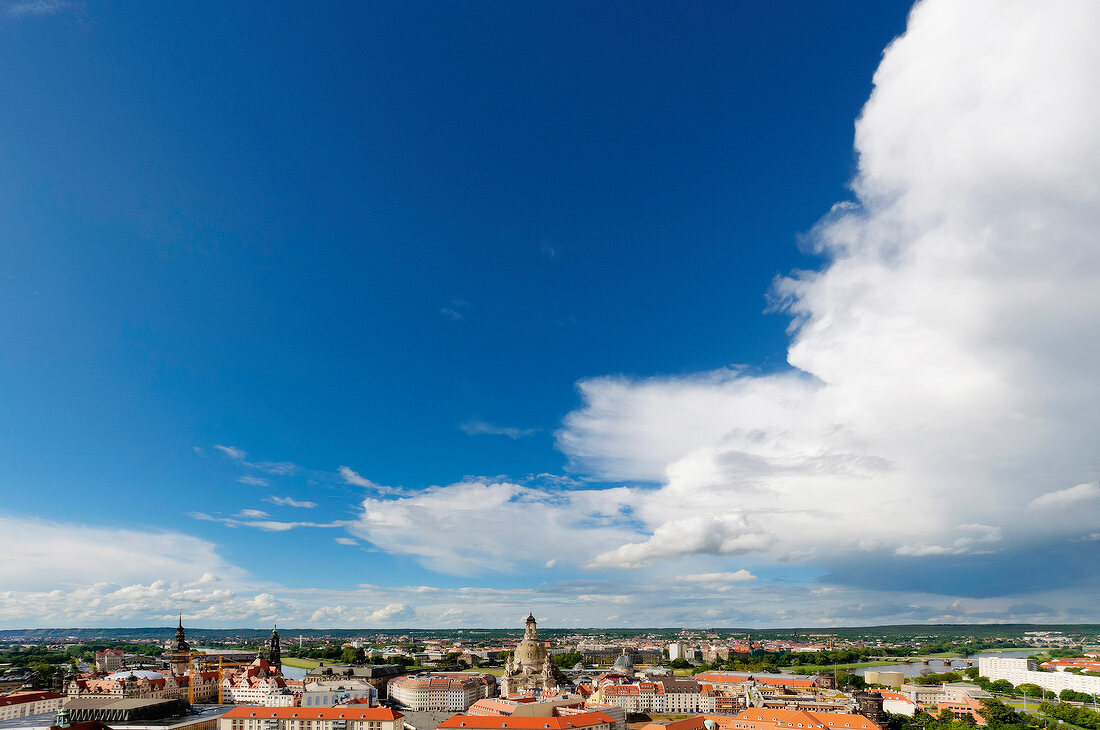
947 662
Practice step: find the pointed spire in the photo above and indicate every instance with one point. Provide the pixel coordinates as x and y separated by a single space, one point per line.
181 618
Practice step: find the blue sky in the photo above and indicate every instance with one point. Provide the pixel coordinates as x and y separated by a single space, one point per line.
418 314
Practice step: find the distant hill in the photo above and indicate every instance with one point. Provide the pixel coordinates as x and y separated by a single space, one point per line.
198 634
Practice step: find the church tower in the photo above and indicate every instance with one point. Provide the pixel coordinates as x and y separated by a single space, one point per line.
274 652
180 655
529 671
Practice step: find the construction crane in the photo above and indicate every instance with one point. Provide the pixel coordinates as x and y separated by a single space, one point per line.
192 675
222 666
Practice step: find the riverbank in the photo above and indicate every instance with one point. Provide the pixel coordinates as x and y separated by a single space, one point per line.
293 661
817 668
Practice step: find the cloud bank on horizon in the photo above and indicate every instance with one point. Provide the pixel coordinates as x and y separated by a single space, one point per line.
934 437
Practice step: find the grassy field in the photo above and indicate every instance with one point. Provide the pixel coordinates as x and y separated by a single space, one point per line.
303 663
828 667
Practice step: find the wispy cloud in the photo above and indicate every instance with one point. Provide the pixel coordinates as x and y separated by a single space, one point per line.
40 7
481 428
347 541
252 514
350 476
253 481
455 310
739 576
262 524
290 502
231 451
275 468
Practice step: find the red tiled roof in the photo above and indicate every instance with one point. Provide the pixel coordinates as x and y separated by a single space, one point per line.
690 723
20 698
581 720
735 677
808 719
324 713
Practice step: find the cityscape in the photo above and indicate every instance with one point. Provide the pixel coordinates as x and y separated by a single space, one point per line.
550 365
874 677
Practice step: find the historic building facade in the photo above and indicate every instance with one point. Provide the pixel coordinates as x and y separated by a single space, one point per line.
441 691
529 671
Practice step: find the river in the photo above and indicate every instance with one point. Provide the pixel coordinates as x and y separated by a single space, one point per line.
937 665
294 672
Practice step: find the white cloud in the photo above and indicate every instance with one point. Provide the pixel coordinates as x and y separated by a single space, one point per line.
353 477
739 576
479 428
253 481
142 577
56 554
231 451
502 525
941 358
255 520
970 541
290 502
942 363
1066 497
391 612
942 373
39 7
728 534
455 310
275 468
346 541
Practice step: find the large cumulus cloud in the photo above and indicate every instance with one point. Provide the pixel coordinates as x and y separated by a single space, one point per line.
942 359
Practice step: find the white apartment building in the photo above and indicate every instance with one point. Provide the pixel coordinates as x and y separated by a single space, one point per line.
108 660
674 696
317 694
22 704
676 650
264 691
441 691
1023 671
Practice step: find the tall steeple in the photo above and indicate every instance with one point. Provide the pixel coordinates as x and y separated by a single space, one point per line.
180 655
274 652
532 628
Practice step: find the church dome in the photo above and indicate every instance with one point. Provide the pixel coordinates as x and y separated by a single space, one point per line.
136 674
624 663
530 651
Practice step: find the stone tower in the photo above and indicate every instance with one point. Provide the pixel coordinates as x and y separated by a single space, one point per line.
180 655
870 706
274 652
